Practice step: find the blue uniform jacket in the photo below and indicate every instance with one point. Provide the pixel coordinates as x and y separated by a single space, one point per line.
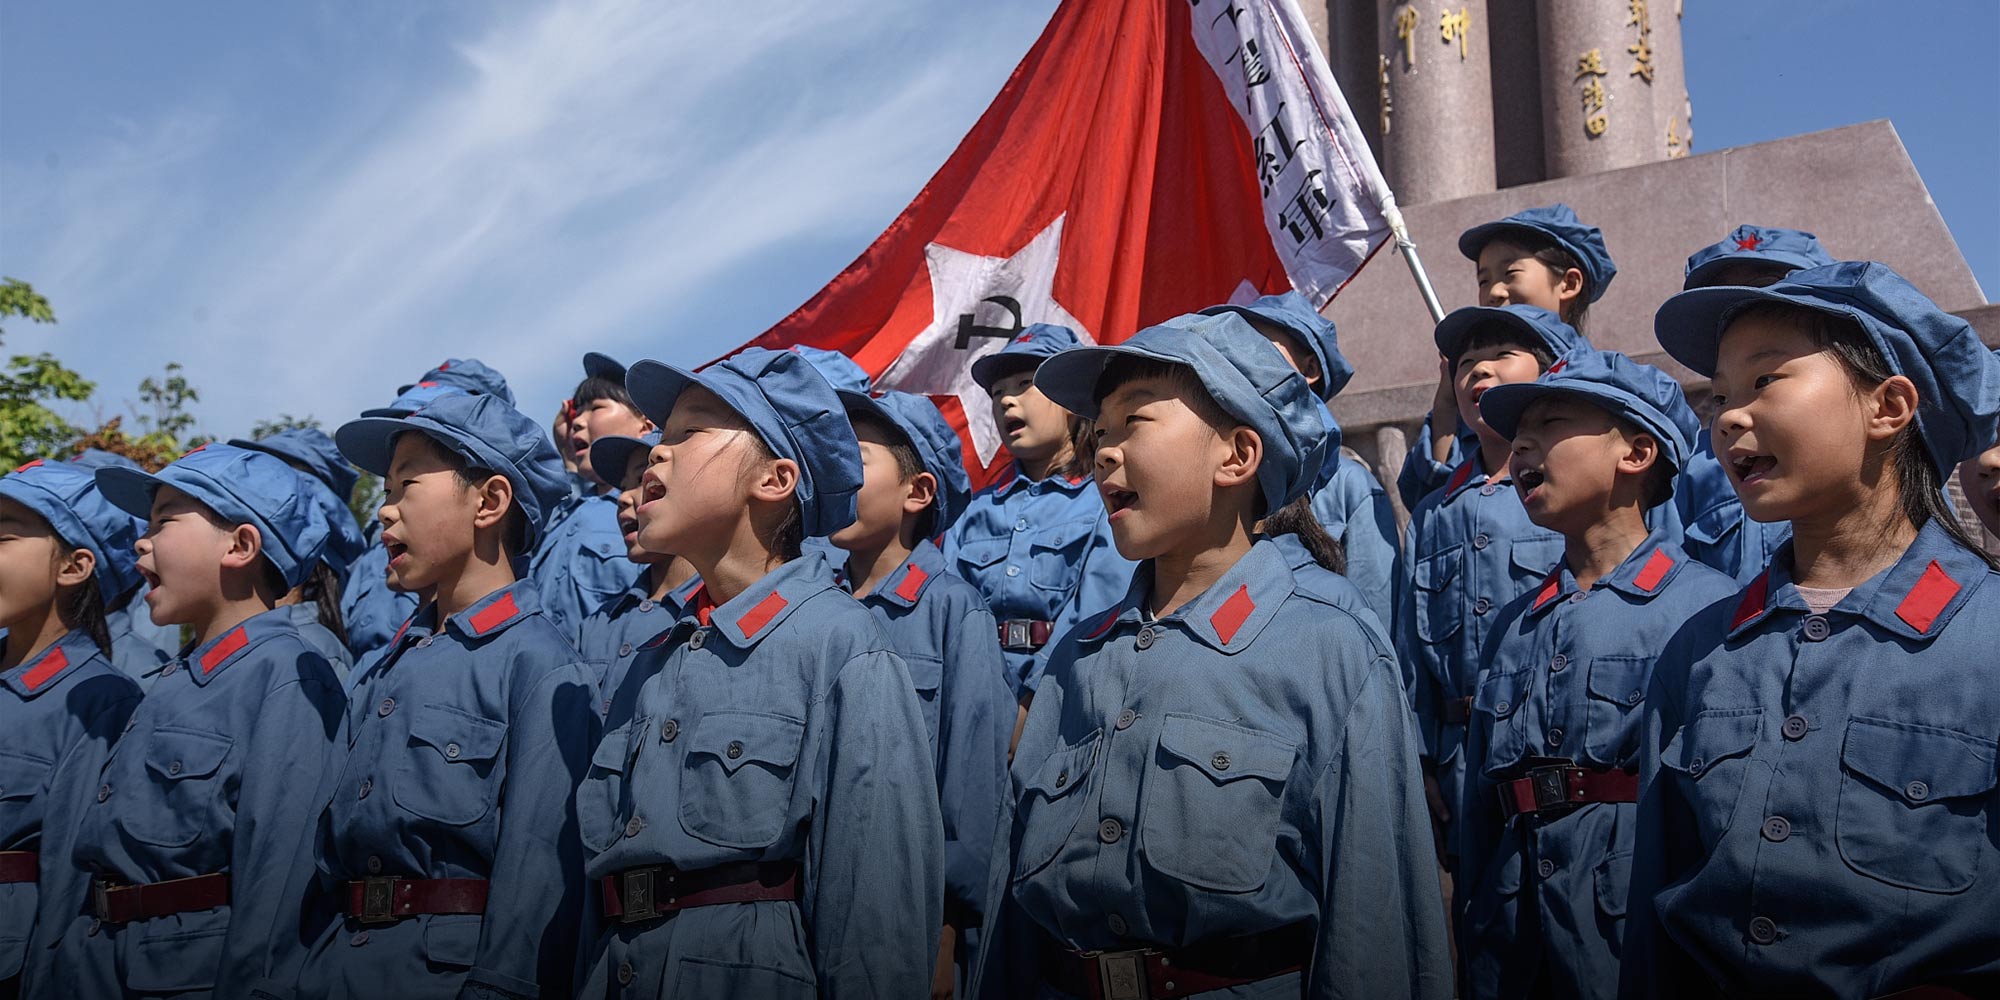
939 625
305 618
467 741
370 610
223 768
133 648
61 710
615 632
1241 765
1818 812
1355 510
1040 551
1470 550
1335 588
1421 474
1718 532
778 727
1564 677
581 562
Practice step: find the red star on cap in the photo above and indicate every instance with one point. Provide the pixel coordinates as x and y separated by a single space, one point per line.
1748 243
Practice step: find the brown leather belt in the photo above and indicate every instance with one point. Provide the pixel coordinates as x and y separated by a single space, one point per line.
19 866
388 900
648 893
122 904
1558 786
1025 635
1167 973
1458 711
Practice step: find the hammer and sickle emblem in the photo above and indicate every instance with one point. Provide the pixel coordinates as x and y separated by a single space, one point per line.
967 329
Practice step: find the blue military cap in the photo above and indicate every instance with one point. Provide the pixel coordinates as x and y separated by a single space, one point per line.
1245 375
487 432
1555 222
242 487
790 406
1028 349
414 398
1639 393
469 374
311 448
1533 324
1788 248
1957 377
938 447
840 371
603 366
98 458
610 453
1291 311
68 498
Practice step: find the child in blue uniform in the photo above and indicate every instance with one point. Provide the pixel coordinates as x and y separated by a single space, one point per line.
1346 499
62 703
139 648
1979 477
1544 257
1717 532
200 819
766 824
1217 791
1545 827
1818 810
1471 547
1036 544
449 844
617 630
913 486
316 603
581 562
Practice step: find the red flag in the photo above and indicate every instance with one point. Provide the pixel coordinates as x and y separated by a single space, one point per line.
1121 177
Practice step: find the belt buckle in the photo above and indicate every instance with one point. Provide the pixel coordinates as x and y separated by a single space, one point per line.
378 901
635 896
100 899
1550 785
1020 634
1121 975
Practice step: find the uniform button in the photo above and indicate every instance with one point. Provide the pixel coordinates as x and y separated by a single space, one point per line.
1546 868
1145 638
367 785
625 973
1488 490
1795 727
1062 778
1116 923
174 768
451 751
1013 571
1763 930
1126 718
103 793
1777 829
1556 737
168 670
1577 598
388 705
1501 708
695 640
645 606
625 649
1220 761
1634 697
1481 541
1481 606
425 642
735 749
374 865
633 826
1110 830
1917 791
1816 628
360 938
1559 663
1021 524
671 729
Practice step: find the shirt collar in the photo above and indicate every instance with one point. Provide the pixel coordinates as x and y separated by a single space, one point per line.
496 612
1227 617
1067 484
1914 598
1471 473
43 671
906 585
208 660
1643 575
746 619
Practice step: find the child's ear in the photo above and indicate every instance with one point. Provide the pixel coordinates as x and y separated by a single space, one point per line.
1569 286
778 481
246 543
1642 452
923 492
75 567
496 497
1246 454
1892 406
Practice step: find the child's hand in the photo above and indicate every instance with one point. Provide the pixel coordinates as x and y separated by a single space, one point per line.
1444 413
943 980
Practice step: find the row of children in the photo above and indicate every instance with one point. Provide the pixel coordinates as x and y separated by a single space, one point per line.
719 773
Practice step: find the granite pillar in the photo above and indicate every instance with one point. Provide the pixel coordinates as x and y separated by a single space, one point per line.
1439 141
1598 73
1517 93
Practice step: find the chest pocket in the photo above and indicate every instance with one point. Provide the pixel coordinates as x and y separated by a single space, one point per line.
1617 690
1056 555
600 797
1913 804
1440 586
1209 813
1499 700
1708 760
1535 555
596 570
1715 524
975 554
1051 803
927 677
185 769
451 771
736 785
21 777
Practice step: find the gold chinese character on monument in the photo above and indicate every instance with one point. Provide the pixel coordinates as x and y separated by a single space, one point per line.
1642 54
1596 124
1674 147
1406 30
1452 25
1387 107
1594 97
1639 16
1590 69
1590 64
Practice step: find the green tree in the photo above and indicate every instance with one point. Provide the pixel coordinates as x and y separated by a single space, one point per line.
280 424
29 429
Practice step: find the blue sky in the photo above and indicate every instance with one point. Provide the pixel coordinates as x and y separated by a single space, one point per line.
307 203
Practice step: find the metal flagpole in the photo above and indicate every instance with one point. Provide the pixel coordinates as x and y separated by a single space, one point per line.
1408 248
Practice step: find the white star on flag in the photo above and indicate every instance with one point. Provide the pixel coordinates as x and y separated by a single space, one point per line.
965 285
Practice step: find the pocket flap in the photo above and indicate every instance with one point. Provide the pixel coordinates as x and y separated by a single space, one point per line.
1225 752
1919 763
1433 572
1063 772
926 672
1501 695
612 746
1614 883
452 939
1620 679
1537 554
737 738
1063 535
21 776
459 736
174 753
1715 524
979 552
1711 737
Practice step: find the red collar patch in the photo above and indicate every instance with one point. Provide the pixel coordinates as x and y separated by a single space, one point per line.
1753 600
1933 591
1460 478
1110 619
913 583
405 628
754 620
1230 617
1550 589
230 645
1655 570
494 614
52 663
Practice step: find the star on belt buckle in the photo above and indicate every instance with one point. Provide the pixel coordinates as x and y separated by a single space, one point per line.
1550 782
1121 975
1020 634
378 901
635 896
